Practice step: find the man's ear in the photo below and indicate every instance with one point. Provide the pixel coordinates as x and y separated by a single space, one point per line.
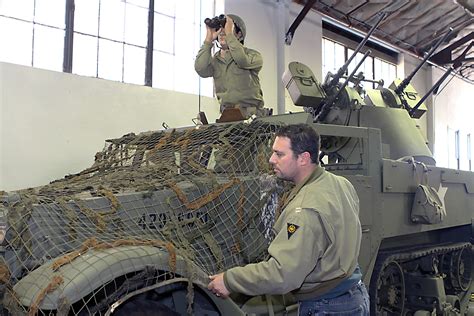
238 35
305 157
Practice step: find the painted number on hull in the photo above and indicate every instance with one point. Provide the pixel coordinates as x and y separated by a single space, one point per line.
159 220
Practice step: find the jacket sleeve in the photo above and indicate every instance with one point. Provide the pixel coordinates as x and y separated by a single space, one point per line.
292 257
202 64
245 58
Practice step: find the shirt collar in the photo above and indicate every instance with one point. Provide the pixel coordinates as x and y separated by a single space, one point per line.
317 172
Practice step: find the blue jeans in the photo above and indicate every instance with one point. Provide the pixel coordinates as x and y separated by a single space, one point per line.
354 302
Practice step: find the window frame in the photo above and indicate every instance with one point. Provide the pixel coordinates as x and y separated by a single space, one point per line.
67 61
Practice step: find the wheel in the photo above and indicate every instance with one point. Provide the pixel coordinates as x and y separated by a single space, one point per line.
463 268
457 266
388 291
141 306
169 300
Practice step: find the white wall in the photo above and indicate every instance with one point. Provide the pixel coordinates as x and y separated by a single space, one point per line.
267 22
450 108
53 123
453 108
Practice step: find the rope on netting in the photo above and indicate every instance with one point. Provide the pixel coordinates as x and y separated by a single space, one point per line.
240 207
173 229
18 219
53 285
191 272
236 247
184 140
192 161
215 250
69 257
92 243
4 273
95 217
203 200
71 217
12 303
263 154
163 141
115 204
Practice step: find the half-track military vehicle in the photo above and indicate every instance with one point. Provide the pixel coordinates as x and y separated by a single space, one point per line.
417 218
139 231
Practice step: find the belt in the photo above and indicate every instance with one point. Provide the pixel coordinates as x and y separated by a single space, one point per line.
334 294
329 296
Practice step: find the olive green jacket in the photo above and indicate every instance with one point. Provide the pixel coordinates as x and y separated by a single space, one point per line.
236 78
316 246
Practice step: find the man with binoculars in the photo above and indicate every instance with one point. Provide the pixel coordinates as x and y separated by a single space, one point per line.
234 67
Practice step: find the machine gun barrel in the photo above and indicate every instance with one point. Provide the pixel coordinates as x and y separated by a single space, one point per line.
324 109
407 80
343 69
434 87
291 31
379 82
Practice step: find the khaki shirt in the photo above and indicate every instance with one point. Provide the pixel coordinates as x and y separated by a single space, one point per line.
236 80
316 246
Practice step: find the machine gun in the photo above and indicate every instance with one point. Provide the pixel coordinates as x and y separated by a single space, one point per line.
389 109
318 99
332 88
408 100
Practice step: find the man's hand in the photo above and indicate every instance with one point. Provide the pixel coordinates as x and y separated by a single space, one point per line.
211 34
229 25
217 285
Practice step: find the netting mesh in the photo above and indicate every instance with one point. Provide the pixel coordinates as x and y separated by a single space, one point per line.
153 206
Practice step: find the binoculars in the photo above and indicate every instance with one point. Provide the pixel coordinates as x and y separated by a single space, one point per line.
216 22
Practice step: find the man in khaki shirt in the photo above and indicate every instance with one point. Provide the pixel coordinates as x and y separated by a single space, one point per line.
234 67
314 253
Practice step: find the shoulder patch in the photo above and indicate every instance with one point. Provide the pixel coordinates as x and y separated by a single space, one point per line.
291 229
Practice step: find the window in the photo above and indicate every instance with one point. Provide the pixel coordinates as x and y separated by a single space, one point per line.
333 56
110 39
463 153
451 136
457 149
177 29
32 32
468 151
367 68
385 71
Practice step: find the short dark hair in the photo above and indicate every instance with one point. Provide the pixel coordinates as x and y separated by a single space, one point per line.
302 138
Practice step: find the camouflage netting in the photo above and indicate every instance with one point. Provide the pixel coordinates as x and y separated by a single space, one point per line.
153 207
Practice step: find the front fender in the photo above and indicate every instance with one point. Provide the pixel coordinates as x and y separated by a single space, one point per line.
90 271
